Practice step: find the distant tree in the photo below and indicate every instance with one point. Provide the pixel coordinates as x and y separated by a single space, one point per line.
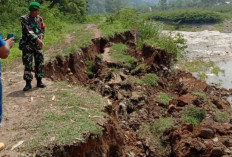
113 5
163 4
96 6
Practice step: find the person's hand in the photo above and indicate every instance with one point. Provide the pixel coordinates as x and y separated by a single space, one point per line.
10 42
40 42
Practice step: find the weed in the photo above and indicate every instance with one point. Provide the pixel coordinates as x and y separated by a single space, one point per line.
138 68
158 127
222 116
163 98
202 76
193 115
120 55
132 80
200 94
90 64
150 79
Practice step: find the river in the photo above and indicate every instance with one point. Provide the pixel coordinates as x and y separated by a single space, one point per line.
212 46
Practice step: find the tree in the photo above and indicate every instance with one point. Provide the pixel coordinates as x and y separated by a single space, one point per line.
163 4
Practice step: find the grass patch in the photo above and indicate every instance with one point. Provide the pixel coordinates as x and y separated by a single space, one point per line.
90 64
150 79
131 80
158 127
65 120
200 94
163 98
222 117
80 37
201 66
120 55
193 115
138 68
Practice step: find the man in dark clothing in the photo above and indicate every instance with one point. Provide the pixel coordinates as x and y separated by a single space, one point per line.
31 44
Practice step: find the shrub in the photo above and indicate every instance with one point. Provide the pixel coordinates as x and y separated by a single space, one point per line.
163 98
200 94
158 127
193 115
150 79
222 116
120 55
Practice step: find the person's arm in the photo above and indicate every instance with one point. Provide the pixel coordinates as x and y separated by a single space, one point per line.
5 47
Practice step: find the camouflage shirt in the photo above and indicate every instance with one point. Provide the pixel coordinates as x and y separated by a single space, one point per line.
32 28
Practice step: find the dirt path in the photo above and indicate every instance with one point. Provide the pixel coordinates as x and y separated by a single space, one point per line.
18 105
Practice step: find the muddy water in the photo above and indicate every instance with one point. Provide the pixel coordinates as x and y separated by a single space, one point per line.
212 46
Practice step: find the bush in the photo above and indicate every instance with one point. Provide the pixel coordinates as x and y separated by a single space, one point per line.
158 127
222 116
193 115
150 79
163 98
188 16
120 55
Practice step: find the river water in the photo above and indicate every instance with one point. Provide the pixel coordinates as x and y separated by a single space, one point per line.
212 46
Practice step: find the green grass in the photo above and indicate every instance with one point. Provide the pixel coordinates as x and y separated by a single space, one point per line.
200 67
188 16
131 80
66 120
138 68
163 98
90 73
200 94
119 54
159 126
193 115
222 116
150 79
81 37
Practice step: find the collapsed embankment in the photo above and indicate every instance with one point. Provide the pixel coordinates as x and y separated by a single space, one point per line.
135 106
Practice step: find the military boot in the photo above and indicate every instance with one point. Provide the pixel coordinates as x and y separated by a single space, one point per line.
28 86
40 84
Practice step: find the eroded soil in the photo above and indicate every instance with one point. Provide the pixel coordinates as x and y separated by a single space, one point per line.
135 105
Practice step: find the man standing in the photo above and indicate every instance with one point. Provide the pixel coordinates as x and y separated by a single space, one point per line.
31 44
4 52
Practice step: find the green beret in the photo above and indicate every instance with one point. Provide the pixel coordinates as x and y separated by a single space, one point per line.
34 6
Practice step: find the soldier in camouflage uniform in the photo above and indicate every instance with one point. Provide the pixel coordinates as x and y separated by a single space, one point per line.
31 45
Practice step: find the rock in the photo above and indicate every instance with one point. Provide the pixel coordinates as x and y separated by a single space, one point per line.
217 152
227 142
204 132
186 99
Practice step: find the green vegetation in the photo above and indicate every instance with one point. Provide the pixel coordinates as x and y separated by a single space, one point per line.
90 73
222 117
64 117
158 127
193 115
119 54
150 79
131 80
163 98
188 16
200 94
138 68
149 31
200 67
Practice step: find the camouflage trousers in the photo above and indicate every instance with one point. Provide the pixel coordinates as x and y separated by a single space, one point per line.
27 58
